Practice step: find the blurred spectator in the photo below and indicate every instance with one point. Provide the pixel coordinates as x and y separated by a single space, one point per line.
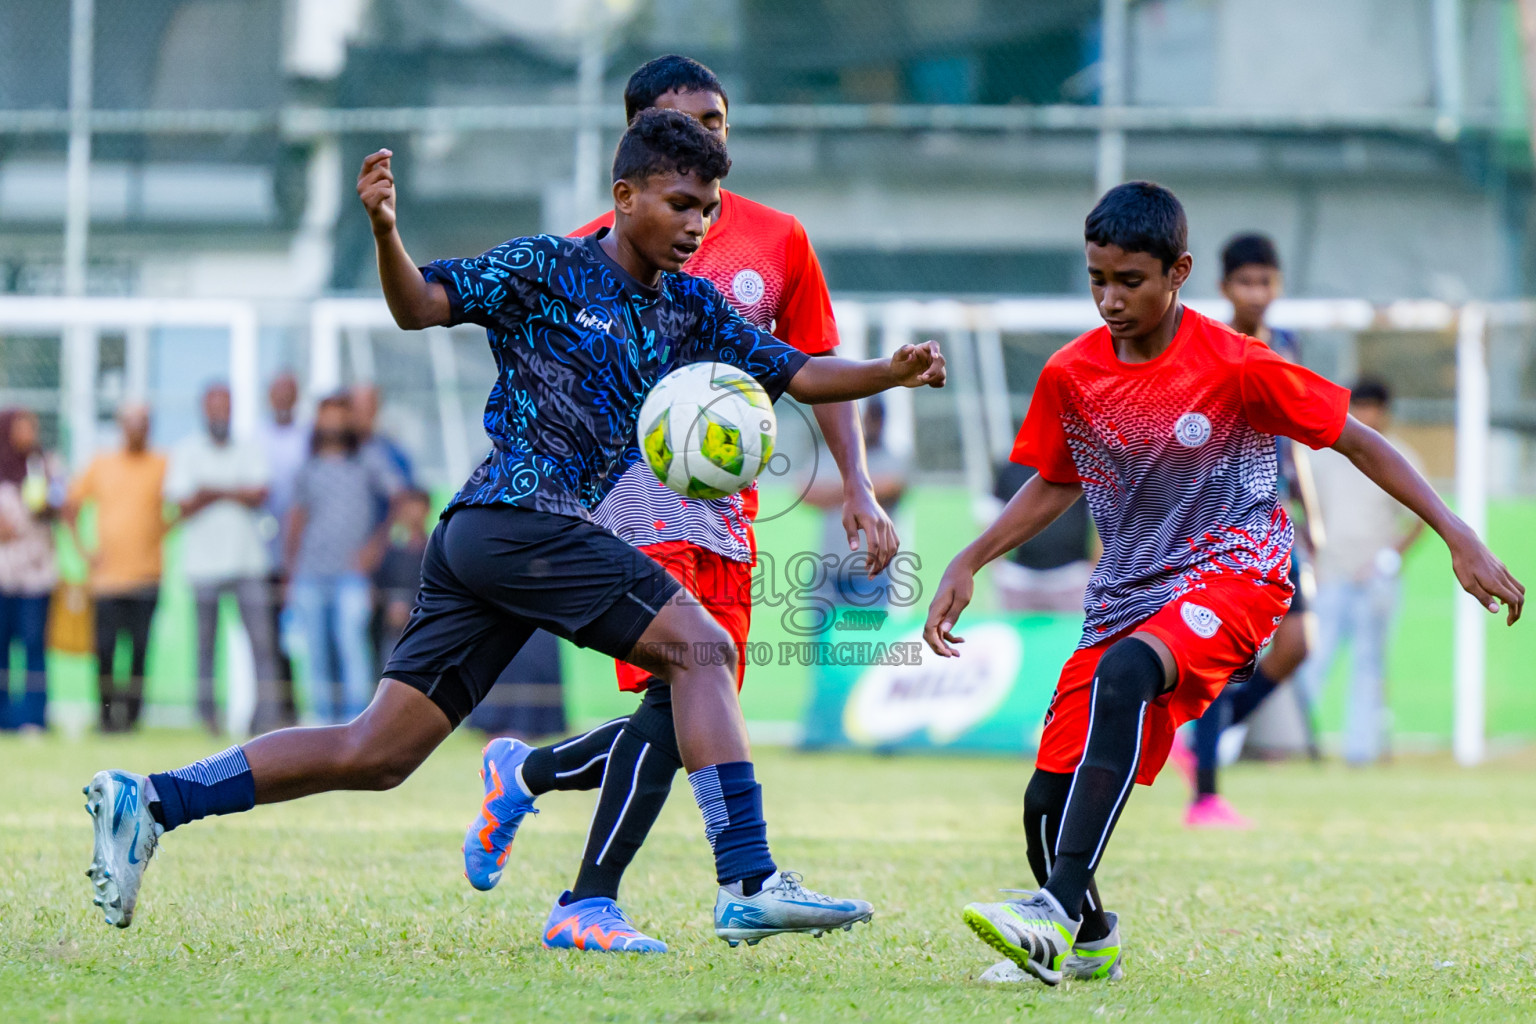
1049 572
330 527
848 583
388 458
375 446
219 486
398 576
126 488
285 442
29 497
1366 534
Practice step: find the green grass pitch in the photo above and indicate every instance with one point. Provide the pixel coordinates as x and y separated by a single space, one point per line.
1399 893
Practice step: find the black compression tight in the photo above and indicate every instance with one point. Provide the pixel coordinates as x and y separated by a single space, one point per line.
1128 677
1044 800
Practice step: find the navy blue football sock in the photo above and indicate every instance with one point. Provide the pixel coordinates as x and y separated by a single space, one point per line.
1247 698
732 804
1233 705
1208 730
221 784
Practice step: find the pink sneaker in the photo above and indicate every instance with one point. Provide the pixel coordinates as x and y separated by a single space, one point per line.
1213 811
1182 758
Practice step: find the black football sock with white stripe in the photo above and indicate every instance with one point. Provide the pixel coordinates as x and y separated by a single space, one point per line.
644 761
1128 678
573 764
1044 798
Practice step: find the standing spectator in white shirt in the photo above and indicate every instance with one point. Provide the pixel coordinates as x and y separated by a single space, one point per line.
220 486
285 442
1357 569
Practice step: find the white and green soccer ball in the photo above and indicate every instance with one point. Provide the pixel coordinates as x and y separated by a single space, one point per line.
707 430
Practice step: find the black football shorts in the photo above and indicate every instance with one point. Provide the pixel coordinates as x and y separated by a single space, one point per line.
492 574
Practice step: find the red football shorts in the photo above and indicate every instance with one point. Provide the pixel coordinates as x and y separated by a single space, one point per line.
1213 632
722 586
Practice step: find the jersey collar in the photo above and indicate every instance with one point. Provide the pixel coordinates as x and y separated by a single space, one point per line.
625 277
1186 328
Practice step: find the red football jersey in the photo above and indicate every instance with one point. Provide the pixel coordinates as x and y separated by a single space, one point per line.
1177 459
762 262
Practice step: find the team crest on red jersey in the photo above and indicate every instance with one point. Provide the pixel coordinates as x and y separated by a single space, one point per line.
1193 429
748 286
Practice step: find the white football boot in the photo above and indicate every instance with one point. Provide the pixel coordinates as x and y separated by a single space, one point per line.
126 838
783 905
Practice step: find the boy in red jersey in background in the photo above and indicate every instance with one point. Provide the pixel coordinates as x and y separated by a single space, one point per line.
1164 420
762 262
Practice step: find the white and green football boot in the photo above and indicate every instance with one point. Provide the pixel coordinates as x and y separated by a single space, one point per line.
1088 961
1034 933
126 837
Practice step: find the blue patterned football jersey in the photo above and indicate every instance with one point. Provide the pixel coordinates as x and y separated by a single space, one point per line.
578 344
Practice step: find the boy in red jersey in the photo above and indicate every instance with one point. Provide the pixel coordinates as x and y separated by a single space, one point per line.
1164 420
762 262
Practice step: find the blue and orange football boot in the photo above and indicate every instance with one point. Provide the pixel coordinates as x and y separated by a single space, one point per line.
489 838
595 925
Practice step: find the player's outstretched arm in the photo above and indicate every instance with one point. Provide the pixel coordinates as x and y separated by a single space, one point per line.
1477 570
414 301
840 427
1038 504
829 379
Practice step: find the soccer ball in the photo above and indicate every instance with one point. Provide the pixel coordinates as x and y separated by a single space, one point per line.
707 430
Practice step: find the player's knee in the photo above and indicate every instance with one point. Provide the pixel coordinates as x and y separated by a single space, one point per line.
388 771
372 763
705 647
1130 672
1288 651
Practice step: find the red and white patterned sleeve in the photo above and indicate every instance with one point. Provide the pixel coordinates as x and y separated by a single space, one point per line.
1042 441
1287 400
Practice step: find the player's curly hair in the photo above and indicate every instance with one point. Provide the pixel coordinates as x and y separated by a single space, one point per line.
658 141
1140 217
672 73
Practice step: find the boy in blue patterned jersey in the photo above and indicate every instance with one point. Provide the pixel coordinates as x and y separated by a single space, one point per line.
581 330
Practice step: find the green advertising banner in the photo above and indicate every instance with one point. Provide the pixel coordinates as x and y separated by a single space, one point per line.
898 695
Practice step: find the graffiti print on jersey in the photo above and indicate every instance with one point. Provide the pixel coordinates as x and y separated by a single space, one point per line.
578 345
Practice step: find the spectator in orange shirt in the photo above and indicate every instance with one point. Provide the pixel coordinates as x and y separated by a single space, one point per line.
125 487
